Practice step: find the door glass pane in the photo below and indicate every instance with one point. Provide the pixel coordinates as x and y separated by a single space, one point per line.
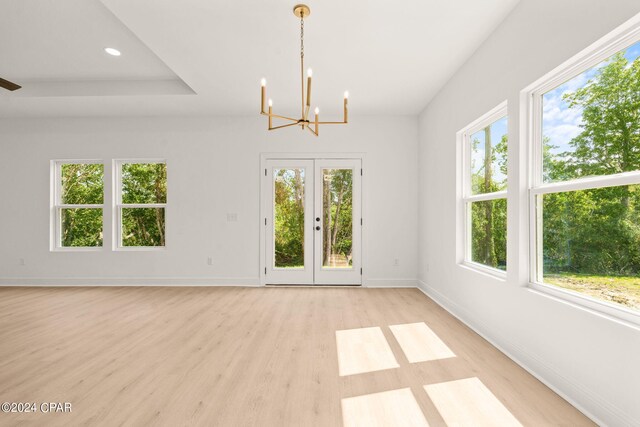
337 213
288 214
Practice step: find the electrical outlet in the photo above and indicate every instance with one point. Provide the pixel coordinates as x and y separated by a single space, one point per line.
209 260
232 217
396 262
21 261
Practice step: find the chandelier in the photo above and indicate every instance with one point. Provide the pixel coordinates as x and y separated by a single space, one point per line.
301 11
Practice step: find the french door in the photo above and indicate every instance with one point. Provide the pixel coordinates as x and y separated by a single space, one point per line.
313 222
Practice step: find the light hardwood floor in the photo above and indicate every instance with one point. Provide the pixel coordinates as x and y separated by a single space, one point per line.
178 356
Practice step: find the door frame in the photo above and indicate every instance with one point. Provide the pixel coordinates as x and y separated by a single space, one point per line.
264 209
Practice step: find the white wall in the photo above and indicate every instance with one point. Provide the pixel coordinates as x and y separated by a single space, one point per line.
213 169
591 359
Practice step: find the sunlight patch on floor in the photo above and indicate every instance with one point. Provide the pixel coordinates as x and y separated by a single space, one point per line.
388 408
419 343
363 350
468 402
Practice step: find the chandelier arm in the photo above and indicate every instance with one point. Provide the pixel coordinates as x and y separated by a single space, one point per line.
283 126
312 131
279 117
332 123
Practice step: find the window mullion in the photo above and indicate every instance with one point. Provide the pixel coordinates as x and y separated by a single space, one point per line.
590 183
486 196
143 205
80 206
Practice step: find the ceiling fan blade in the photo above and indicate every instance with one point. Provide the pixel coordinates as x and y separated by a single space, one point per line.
9 85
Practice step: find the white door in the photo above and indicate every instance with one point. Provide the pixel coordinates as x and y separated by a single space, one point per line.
289 222
313 222
337 242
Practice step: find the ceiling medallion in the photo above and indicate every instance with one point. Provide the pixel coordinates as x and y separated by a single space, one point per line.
301 11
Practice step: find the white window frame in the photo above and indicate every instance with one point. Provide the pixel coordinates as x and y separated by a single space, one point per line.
56 206
531 104
118 206
466 195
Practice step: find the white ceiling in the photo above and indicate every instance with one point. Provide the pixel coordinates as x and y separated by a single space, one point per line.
206 57
55 48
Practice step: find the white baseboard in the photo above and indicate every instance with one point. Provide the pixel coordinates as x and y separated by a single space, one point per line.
174 281
593 406
390 283
131 281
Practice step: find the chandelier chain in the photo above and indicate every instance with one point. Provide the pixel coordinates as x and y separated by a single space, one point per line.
302 35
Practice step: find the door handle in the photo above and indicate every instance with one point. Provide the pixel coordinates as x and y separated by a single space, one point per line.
318 228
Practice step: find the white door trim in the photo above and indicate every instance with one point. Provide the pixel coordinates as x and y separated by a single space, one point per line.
264 157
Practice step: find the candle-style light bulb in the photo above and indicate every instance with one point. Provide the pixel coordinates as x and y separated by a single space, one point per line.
263 93
316 122
346 111
309 73
270 103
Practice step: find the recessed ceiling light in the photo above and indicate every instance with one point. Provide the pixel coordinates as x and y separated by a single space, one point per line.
112 51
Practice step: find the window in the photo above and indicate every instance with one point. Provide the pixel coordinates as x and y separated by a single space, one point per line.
141 200
484 191
585 196
78 195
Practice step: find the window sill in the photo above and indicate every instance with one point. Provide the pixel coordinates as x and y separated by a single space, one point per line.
494 273
611 311
140 249
78 249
